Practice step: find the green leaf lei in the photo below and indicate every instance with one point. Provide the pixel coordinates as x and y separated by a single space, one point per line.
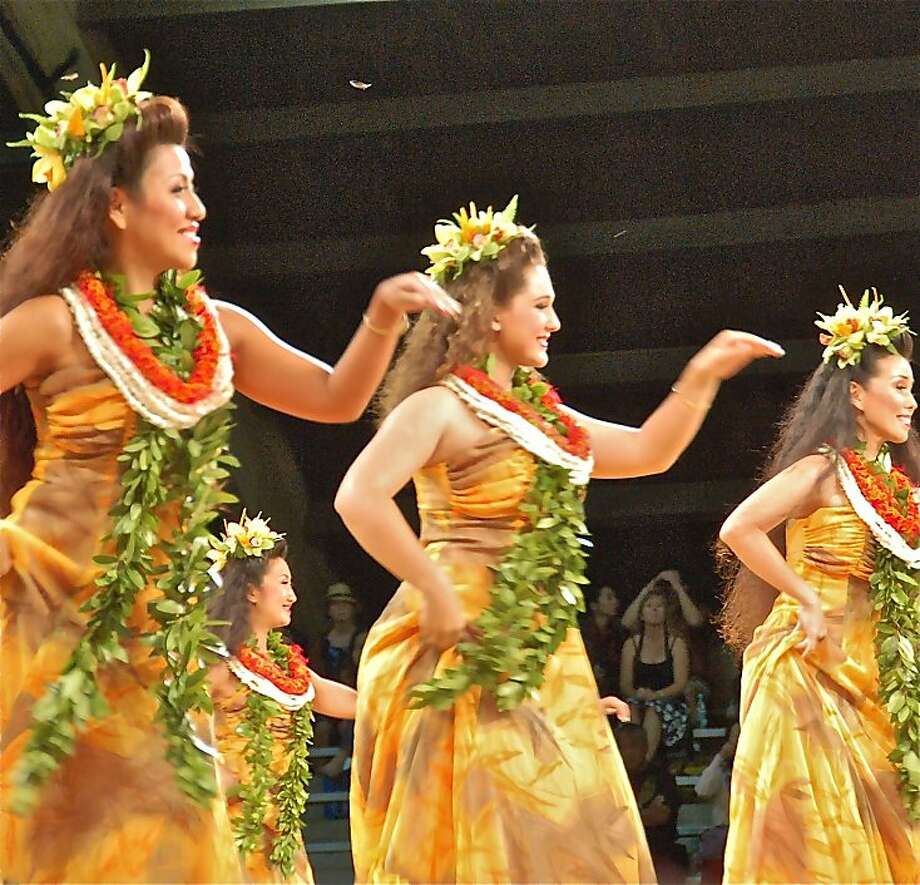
897 645
896 597
536 595
289 790
164 471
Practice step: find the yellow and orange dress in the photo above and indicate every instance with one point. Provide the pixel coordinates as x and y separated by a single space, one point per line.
229 715
813 796
112 812
471 794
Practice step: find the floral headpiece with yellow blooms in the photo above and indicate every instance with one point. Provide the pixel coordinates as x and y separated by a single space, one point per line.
248 537
85 124
473 236
851 329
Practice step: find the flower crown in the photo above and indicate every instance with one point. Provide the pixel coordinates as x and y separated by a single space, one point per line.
92 118
248 537
851 329
477 236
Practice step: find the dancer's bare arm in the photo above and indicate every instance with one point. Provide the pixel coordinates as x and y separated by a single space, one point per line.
277 375
422 430
333 698
621 451
36 338
795 493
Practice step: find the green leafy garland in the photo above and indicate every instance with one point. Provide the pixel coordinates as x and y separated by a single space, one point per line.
897 645
288 791
164 471
896 598
536 595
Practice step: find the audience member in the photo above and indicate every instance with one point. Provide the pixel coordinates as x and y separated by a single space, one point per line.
658 799
654 670
603 637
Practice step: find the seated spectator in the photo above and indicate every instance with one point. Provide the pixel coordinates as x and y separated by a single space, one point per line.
690 621
714 784
658 799
603 637
336 656
654 669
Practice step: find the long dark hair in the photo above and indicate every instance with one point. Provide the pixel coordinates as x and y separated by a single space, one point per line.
62 233
229 602
821 415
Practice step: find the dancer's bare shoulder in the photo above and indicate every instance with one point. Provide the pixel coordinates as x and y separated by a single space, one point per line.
38 338
221 681
441 412
813 482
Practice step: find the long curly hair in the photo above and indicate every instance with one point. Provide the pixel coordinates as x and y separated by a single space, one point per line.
821 415
229 603
62 233
437 343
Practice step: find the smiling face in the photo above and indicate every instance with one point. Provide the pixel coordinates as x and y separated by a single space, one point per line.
156 227
524 325
272 600
885 404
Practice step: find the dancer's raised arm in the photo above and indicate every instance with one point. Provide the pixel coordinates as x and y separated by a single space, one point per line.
281 377
621 451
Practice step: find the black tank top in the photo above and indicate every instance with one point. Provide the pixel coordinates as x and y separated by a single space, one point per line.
653 676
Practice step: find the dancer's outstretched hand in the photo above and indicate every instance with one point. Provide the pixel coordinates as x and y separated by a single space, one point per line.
415 292
441 622
813 625
612 706
729 352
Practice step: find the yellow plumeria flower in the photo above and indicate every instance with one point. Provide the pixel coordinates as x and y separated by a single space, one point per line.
473 235
847 333
91 118
48 169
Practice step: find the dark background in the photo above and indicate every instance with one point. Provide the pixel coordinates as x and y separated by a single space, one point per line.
755 153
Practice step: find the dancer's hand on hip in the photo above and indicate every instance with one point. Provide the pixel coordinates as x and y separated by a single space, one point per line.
440 620
813 625
729 352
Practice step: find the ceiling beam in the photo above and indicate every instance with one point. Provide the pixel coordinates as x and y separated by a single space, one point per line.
562 102
38 44
826 220
97 11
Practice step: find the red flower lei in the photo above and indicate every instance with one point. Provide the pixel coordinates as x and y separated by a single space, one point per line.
575 440
205 355
293 680
890 495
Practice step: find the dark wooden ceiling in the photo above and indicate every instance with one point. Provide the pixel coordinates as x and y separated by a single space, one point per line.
754 153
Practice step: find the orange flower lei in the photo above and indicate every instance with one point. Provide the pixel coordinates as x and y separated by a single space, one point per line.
890 495
294 679
205 355
557 425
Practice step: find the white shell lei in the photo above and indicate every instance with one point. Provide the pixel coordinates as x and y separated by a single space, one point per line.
268 688
881 531
521 431
151 403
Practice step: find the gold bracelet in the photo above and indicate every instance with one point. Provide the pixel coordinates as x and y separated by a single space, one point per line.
699 407
377 330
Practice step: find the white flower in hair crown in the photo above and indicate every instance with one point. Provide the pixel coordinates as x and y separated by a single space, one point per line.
851 329
91 118
248 537
474 236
